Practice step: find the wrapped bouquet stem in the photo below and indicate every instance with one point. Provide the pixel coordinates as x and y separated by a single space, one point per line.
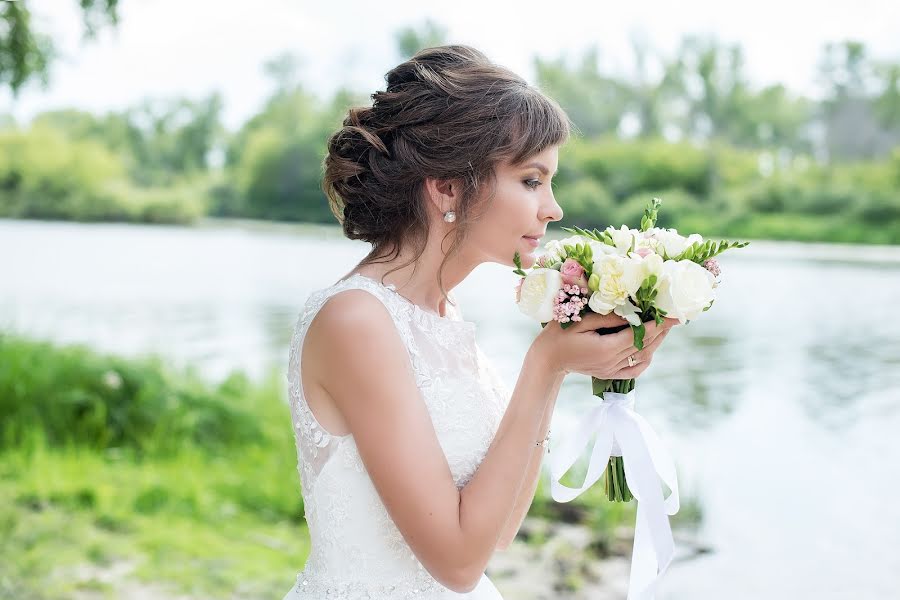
616 484
641 275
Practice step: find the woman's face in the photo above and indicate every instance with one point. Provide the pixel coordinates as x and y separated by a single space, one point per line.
521 207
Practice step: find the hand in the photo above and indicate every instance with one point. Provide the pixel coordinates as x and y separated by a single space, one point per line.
581 349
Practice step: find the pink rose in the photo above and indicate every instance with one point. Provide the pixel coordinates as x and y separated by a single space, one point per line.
643 252
572 272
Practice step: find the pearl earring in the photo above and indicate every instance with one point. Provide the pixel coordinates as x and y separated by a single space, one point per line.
449 216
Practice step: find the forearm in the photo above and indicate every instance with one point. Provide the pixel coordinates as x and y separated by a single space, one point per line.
492 495
532 475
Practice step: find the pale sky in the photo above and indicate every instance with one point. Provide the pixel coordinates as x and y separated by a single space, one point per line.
165 48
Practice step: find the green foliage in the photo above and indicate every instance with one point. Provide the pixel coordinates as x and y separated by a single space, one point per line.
410 40
586 202
582 252
45 174
517 260
702 251
676 204
27 54
648 221
280 178
593 234
156 162
628 167
276 159
75 396
103 457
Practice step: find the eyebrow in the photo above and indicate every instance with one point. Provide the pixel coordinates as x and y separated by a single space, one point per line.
540 167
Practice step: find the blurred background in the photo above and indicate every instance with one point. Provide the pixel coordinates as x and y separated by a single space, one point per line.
161 225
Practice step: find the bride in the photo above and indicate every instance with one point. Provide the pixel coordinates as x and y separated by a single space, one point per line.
416 463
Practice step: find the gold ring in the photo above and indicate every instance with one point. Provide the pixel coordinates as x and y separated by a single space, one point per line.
631 361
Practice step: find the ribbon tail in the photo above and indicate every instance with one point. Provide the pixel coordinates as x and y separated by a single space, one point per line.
570 449
662 463
644 564
654 546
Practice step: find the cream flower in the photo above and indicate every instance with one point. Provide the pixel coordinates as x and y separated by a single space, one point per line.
670 243
624 238
616 275
538 294
640 268
685 289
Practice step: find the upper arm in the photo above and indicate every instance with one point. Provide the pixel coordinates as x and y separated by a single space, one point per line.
363 364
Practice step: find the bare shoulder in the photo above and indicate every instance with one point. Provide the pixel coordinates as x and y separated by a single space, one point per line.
352 311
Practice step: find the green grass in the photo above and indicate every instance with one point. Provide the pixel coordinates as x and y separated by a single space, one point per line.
205 524
193 484
123 465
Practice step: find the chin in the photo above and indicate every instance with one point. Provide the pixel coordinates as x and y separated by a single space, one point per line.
527 257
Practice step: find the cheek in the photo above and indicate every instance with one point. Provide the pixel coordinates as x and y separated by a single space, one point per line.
515 211
507 224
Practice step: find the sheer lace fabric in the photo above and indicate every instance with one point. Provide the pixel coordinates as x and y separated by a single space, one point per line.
356 549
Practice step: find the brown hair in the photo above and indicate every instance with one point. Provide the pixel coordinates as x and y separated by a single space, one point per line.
447 113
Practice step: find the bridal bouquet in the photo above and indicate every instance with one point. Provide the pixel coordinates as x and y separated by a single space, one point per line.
641 275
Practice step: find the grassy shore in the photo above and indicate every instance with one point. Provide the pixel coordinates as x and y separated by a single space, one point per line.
116 473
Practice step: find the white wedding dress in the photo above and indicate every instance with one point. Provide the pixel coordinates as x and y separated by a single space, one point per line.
356 549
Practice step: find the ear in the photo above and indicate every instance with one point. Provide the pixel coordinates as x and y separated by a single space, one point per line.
443 194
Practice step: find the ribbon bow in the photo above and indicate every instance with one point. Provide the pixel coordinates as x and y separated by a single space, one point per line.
622 432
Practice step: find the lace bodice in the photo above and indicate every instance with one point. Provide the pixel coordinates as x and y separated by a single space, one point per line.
356 549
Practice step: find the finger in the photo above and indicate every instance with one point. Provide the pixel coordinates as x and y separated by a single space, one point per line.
651 331
632 372
592 320
643 355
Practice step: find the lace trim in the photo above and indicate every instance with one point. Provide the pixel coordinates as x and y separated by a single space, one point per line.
406 588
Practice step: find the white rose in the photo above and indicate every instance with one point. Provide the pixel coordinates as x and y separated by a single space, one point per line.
556 248
685 289
555 251
623 238
574 240
616 275
538 294
673 243
601 248
640 268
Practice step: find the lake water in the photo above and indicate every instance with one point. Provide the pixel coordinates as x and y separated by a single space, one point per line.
780 404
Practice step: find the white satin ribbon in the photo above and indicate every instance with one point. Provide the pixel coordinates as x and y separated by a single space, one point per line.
647 462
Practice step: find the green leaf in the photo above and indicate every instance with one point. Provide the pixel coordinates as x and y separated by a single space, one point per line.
639 336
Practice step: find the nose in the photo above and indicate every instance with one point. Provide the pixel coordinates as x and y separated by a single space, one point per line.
552 210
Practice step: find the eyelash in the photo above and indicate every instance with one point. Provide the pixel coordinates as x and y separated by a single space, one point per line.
528 183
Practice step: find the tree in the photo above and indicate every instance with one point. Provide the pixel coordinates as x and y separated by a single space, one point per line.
595 102
649 98
26 54
410 40
887 105
852 113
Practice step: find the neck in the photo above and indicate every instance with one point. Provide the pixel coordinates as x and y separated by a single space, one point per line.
418 281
